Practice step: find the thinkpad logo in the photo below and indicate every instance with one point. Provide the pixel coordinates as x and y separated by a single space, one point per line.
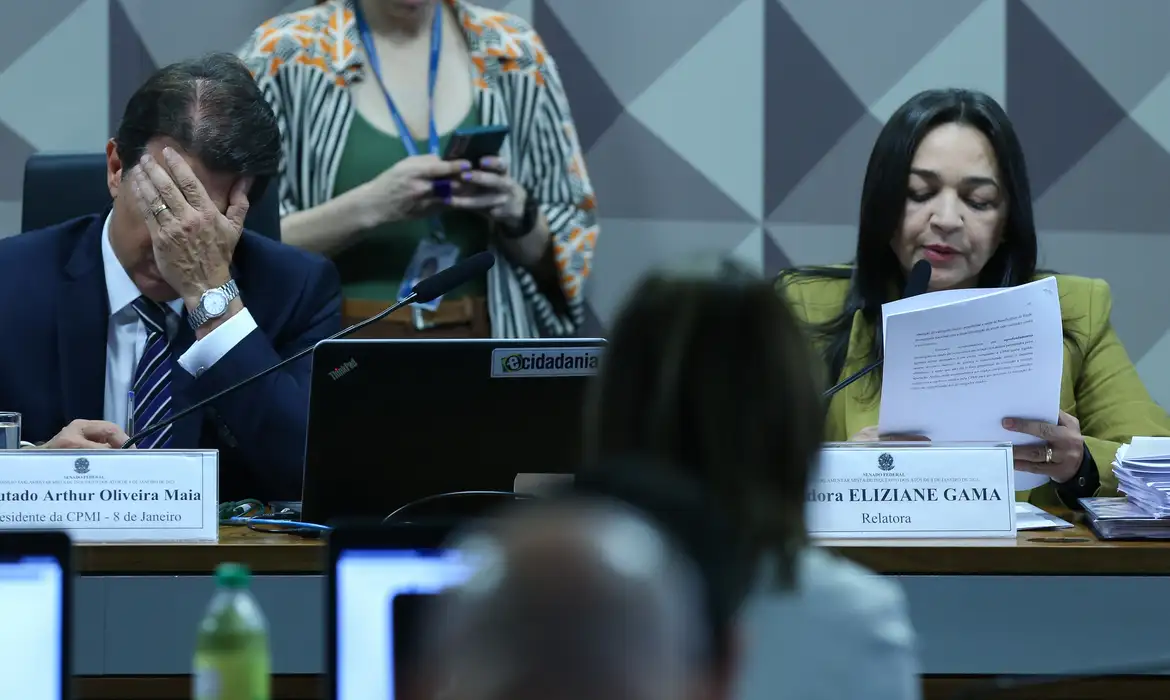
345 368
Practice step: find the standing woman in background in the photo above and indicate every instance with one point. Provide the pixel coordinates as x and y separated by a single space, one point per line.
349 79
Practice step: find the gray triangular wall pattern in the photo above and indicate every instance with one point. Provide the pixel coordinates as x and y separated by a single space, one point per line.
1068 67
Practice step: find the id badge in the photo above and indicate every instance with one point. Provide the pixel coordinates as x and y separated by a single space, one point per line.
429 257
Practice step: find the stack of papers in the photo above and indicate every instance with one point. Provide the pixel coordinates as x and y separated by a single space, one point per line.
1122 519
1030 517
957 362
1142 469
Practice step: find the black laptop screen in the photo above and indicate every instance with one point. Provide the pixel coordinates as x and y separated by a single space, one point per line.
394 421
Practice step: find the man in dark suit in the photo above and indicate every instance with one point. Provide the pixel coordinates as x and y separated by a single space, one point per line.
116 321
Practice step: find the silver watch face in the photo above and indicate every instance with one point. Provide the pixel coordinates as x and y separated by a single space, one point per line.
214 302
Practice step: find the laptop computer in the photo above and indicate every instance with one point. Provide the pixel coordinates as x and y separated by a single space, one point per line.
379 581
35 604
394 421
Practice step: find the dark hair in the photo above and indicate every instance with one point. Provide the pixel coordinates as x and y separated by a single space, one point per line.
686 513
213 109
876 270
709 371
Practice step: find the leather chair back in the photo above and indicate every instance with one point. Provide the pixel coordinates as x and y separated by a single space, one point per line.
63 186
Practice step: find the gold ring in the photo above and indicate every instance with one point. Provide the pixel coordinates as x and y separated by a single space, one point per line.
159 208
1048 455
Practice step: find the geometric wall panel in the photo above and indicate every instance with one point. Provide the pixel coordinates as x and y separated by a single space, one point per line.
46 116
949 61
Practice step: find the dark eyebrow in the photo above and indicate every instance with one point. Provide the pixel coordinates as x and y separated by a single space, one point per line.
972 181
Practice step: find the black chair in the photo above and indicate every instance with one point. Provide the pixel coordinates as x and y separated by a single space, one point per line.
63 186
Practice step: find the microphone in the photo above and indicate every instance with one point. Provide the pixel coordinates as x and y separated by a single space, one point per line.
426 290
1006 684
916 284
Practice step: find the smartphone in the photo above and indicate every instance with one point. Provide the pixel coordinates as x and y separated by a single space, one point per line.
476 143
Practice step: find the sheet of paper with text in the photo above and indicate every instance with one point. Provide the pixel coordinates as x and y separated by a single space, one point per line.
957 363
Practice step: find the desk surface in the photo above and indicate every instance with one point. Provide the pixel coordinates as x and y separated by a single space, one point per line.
1036 552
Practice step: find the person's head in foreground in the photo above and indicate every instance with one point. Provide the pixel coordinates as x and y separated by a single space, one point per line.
707 369
946 183
691 518
196 141
573 600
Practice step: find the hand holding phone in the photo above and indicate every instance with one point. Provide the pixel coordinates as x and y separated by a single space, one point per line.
412 188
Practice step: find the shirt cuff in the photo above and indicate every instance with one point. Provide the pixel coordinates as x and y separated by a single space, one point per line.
1084 485
211 348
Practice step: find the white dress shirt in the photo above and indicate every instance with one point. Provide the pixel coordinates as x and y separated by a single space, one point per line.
126 339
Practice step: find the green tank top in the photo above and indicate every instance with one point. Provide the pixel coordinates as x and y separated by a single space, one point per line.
373 268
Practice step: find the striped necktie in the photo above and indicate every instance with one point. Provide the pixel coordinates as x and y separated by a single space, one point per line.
152 379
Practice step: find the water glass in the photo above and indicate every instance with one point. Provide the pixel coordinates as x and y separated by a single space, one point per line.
9 430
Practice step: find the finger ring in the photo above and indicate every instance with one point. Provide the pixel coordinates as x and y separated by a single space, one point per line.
159 208
441 188
1048 455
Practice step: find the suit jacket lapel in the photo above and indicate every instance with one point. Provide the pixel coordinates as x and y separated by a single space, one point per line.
83 315
186 432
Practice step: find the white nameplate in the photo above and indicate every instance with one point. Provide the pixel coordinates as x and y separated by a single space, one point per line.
112 495
912 490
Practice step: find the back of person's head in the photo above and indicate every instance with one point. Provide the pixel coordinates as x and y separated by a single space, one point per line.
568 599
679 505
213 110
707 369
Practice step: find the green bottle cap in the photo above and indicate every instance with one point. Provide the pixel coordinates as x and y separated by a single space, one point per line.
232 575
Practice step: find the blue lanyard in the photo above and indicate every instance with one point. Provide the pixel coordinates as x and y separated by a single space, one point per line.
372 54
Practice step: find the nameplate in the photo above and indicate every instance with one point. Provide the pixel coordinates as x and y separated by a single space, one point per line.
912 490
112 495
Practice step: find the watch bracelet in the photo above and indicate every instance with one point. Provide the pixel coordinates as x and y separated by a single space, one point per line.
198 317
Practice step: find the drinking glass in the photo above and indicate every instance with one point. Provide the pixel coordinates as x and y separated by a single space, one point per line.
9 430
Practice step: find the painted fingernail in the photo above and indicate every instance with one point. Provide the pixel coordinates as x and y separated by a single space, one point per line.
1009 423
468 176
464 165
488 162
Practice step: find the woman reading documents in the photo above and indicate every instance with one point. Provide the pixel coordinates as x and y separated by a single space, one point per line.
947 183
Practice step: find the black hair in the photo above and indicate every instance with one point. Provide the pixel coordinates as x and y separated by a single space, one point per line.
708 371
876 270
213 109
683 510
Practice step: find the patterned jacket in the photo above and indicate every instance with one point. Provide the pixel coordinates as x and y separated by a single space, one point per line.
305 61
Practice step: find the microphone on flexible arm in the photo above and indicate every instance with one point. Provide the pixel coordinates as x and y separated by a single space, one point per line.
426 290
916 283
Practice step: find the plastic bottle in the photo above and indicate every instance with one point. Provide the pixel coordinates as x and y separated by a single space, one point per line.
232 657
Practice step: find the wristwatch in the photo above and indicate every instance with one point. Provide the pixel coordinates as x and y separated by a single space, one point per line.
213 304
527 219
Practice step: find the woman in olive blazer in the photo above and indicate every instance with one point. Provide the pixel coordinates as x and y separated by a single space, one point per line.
947 183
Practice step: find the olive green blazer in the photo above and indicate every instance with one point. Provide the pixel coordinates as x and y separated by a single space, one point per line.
1100 385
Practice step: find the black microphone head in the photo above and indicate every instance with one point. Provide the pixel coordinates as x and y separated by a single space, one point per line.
444 281
918 279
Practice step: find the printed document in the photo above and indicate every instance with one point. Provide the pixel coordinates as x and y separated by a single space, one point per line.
958 362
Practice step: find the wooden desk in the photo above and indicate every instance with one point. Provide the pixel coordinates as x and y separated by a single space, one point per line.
1035 553
973 603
